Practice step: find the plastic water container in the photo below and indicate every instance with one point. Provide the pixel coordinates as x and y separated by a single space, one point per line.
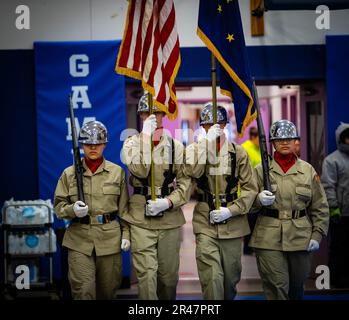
43 215
16 244
11 215
53 241
27 212
33 271
31 243
11 243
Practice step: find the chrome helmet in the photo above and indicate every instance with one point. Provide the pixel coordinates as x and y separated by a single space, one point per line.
143 104
93 132
283 129
206 114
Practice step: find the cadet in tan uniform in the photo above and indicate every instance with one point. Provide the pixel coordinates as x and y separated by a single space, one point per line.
155 225
95 237
219 232
292 219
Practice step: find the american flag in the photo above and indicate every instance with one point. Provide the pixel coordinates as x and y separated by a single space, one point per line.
150 50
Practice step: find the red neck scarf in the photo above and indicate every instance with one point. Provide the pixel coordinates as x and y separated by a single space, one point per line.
157 135
93 165
285 161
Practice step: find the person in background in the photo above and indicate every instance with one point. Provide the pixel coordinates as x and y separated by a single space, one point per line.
335 179
292 218
252 147
254 154
96 234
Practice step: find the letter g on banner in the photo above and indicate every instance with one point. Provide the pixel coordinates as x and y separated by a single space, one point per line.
77 67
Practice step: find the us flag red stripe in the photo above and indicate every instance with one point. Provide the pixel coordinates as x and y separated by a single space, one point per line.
150 50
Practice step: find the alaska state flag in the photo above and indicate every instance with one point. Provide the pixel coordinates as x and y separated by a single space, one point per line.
220 28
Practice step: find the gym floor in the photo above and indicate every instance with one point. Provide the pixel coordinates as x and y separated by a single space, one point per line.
249 287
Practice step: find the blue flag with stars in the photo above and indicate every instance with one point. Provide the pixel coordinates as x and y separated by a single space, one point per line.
220 28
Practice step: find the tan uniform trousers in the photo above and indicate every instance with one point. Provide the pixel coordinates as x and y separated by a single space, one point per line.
283 273
94 276
219 266
155 258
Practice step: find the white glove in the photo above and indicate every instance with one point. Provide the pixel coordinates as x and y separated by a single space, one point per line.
217 216
313 245
149 125
266 198
125 245
80 209
214 132
200 137
130 143
155 207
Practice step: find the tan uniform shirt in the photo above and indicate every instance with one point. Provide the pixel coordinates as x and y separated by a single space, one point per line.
196 166
136 155
297 189
105 191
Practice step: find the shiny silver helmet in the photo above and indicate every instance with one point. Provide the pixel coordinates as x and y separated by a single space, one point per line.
143 104
206 114
93 132
283 129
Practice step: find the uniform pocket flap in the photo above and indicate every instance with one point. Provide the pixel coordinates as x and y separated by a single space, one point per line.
303 193
110 226
269 221
302 222
111 189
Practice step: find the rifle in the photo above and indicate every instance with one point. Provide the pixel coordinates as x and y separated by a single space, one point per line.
79 170
262 143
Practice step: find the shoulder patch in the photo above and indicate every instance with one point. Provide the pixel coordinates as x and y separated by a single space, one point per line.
317 178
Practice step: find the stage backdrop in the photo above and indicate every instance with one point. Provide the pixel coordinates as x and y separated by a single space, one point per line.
86 71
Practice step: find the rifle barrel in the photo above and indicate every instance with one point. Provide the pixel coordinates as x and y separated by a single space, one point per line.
76 153
262 143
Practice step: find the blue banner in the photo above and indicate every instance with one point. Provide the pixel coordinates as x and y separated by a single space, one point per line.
86 71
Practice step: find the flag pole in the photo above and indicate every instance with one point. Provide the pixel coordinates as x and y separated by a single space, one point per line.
214 111
152 173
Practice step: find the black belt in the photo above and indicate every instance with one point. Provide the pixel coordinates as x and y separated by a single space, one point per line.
106 218
144 191
223 199
274 213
